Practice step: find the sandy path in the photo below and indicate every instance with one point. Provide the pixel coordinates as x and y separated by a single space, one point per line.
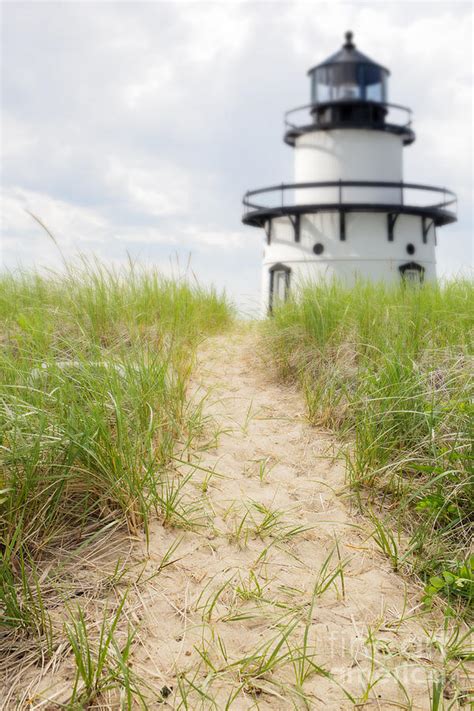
247 573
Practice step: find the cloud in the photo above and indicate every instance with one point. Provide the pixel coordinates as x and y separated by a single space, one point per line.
152 190
218 238
137 127
71 222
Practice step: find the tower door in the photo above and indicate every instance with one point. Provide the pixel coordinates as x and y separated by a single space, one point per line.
412 273
279 284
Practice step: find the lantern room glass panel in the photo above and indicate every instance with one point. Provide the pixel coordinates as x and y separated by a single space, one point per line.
348 81
320 87
374 80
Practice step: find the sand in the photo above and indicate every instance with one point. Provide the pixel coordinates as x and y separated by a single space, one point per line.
237 584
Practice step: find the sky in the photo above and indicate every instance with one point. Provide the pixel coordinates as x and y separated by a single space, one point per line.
134 128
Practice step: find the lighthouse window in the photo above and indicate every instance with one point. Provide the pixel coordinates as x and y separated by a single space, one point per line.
411 249
279 293
318 248
279 284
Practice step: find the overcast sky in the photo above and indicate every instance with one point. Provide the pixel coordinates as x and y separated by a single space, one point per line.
136 127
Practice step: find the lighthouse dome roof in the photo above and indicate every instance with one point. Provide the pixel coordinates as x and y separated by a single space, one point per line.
348 54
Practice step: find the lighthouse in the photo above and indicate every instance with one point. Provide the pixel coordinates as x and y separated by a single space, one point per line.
348 214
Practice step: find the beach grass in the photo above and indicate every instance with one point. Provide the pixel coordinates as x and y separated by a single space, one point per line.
94 370
390 369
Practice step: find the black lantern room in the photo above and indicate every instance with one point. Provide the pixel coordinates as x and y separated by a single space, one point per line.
347 75
349 88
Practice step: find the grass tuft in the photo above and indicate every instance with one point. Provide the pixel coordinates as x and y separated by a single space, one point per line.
391 370
94 370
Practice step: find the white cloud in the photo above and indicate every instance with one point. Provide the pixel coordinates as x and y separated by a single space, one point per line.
79 230
155 80
214 30
153 190
218 238
145 235
68 223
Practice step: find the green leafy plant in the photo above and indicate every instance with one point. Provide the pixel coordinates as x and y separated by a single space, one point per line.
457 582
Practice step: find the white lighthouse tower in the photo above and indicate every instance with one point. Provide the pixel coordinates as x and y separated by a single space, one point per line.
348 214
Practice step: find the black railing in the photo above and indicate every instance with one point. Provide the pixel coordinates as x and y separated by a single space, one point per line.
371 106
449 198
390 196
